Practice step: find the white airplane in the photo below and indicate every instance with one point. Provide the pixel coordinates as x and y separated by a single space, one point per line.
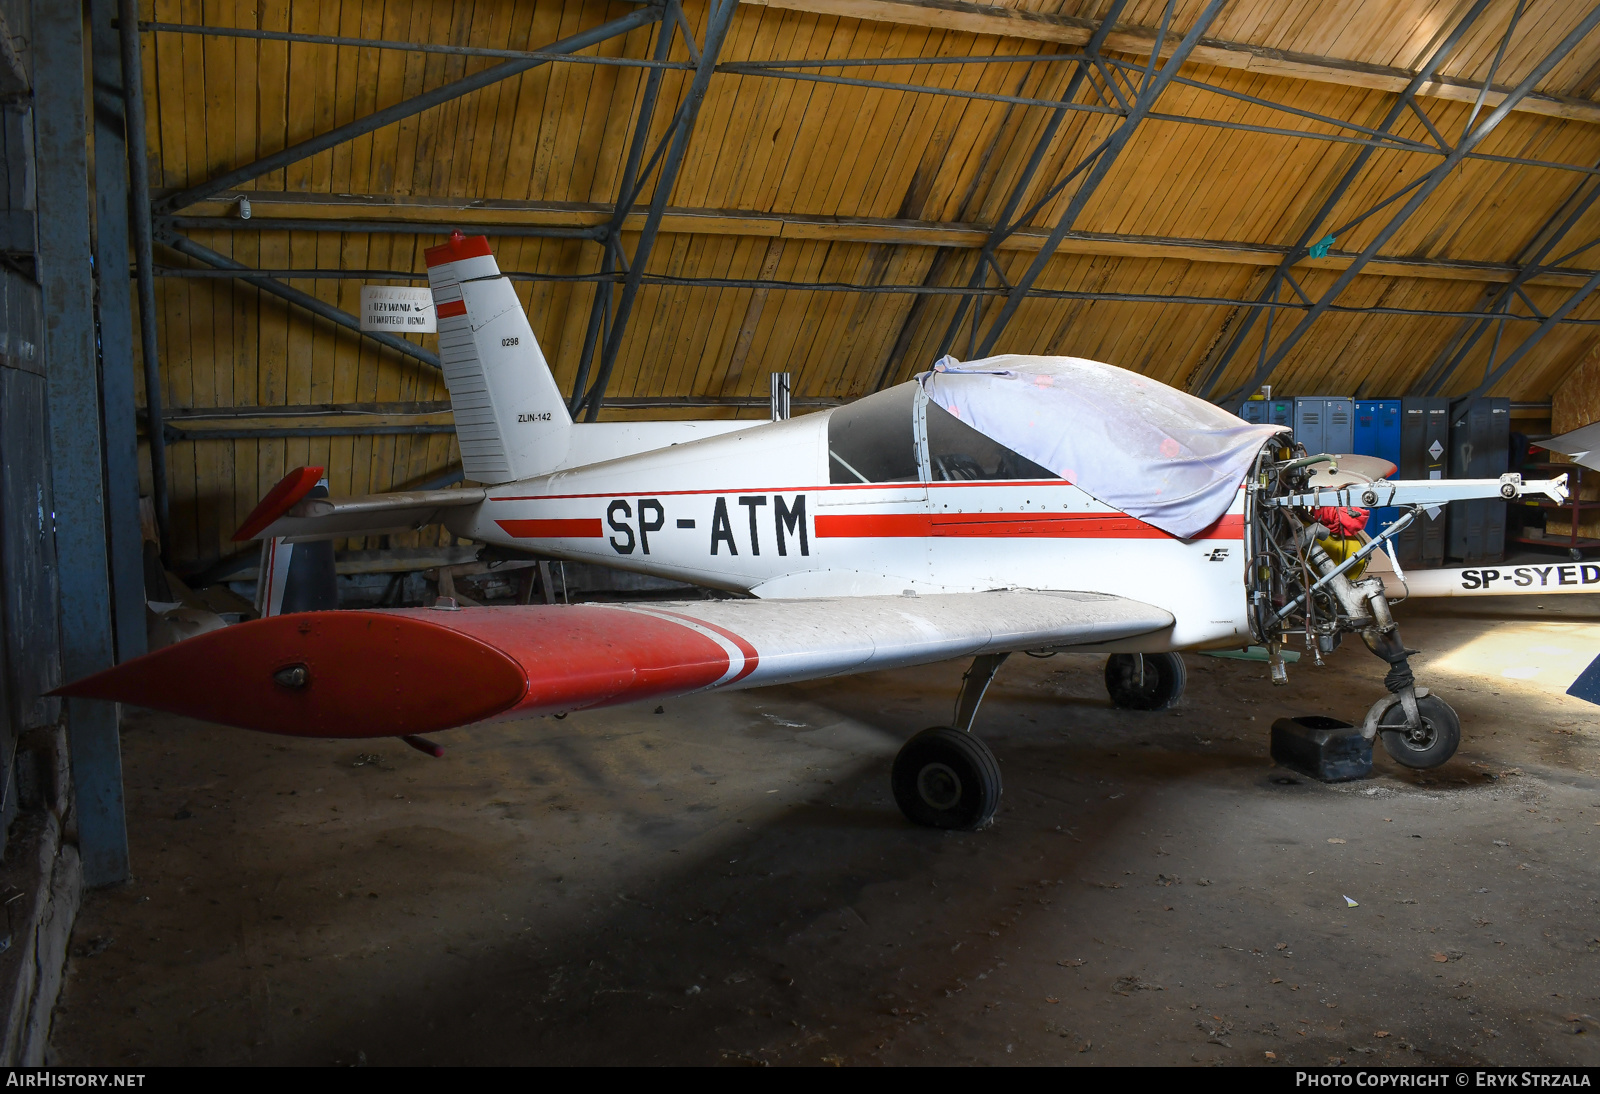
1009 504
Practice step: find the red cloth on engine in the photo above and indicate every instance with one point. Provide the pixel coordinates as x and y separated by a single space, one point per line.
1341 521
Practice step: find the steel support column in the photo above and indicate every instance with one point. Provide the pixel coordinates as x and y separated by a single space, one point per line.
717 22
77 473
644 16
143 253
1314 226
115 312
321 308
1422 188
1154 84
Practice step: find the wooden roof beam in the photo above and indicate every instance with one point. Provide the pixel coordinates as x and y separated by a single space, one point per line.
1004 22
302 212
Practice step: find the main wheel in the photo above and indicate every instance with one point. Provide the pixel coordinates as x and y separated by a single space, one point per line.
1162 685
1431 743
944 778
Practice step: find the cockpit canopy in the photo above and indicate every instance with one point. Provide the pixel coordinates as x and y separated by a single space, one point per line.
875 440
1136 444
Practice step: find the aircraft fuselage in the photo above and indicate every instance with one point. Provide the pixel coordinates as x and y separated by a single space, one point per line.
754 511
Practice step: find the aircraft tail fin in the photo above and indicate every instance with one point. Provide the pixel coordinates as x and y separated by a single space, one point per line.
511 420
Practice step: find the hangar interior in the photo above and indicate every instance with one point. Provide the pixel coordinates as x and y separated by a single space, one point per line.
1337 217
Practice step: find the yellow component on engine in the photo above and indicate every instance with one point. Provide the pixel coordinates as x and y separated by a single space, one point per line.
1340 548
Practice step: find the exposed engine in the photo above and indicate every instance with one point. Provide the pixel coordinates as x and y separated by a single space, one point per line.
1303 578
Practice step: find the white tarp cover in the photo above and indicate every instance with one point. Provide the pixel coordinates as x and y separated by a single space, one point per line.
1149 450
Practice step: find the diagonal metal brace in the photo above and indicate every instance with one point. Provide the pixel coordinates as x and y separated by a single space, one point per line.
1150 90
186 246
643 16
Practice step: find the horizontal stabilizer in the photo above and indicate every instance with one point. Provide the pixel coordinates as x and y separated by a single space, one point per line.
385 673
290 513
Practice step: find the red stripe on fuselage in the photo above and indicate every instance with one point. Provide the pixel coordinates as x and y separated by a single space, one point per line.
571 528
1007 526
452 307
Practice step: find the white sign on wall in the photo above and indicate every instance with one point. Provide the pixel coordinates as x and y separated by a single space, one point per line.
397 310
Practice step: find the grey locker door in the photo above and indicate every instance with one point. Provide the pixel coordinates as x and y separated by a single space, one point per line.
1308 424
1339 425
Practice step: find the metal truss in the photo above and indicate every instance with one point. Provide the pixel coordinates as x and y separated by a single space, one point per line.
771 285
145 211
222 263
144 260
1493 374
1359 135
1094 166
406 108
1313 227
1115 73
607 329
611 309
1499 299
1122 89
1419 190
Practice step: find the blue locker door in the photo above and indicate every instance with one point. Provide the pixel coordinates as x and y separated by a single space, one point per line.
1377 433
1366 430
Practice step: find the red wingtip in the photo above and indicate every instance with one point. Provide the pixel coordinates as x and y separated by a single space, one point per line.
460 246
321 674
279 500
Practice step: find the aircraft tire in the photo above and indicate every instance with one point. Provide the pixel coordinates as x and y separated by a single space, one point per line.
1432 744
1164 680
944 778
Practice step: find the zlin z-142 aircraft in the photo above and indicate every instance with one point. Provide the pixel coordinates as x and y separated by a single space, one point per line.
983 508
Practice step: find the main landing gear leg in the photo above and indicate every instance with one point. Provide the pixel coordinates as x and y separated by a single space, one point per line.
945 777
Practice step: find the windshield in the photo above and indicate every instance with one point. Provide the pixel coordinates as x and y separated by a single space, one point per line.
873 439
957 451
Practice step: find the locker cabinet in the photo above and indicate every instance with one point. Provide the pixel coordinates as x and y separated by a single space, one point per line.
1480 448
1377 433
1424 446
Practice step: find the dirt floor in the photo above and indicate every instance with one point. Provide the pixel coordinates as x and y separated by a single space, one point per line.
728 881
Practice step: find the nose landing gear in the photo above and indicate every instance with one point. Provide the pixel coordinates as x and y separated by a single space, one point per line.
1429 742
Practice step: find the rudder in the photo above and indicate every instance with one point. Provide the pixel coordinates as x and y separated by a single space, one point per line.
511 420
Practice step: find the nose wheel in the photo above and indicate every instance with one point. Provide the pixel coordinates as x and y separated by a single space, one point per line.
1428 744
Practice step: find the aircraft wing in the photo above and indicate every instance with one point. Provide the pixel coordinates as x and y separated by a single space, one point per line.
289 512
390 673
1583 445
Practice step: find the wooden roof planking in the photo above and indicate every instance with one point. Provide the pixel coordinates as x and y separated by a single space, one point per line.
789 180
